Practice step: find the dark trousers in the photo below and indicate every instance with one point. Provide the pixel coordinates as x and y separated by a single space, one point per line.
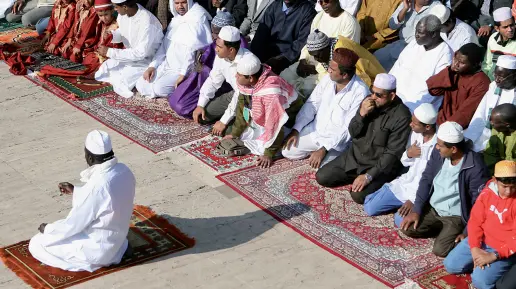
508 281
444 229
333 174
215 109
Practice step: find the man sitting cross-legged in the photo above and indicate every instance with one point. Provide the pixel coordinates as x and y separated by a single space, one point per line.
94 234
488 251
188 31
321 129
401 193
449 186
141 33
261 108
379 132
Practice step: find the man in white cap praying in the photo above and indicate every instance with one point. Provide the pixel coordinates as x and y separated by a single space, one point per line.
142 34
449 186
421 59
502 42
222 108
400 194
261 109
379 133
321 128
454 32
501 90
94 234
188 31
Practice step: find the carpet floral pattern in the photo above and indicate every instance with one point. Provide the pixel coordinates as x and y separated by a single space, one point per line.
150 236
24 40
152 124
206 151
335 223
440 279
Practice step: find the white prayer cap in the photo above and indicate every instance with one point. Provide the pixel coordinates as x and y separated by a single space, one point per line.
385 81
426 113
502 14
450 132
117 1
98 142
442 12
249 64
229 33
506 61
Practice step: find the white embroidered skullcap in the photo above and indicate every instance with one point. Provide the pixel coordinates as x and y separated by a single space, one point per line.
317 40
426 113
229 33
118 1
98 142
249 64
385 81
502 14
442 12
506 61
450 132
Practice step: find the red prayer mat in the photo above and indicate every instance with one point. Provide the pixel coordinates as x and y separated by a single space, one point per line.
206 151
335 223
150 236
23 40
440 279
149 123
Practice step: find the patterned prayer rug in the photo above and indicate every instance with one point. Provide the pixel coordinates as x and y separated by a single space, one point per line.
24 40
150 236
205 150
335 223
440 279
6 26
150 123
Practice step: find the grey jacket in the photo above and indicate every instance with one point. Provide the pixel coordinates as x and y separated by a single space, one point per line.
254 16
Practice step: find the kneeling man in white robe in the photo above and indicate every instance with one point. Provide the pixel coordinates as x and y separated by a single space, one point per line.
142 34
188 32
94 234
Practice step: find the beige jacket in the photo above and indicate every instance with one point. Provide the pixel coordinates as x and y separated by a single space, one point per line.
46 3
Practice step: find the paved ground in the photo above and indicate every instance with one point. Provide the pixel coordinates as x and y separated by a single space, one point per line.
238 246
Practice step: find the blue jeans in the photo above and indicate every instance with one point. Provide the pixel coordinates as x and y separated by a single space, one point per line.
460 261
42 24
381 202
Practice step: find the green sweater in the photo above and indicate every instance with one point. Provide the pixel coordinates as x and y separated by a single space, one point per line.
499 147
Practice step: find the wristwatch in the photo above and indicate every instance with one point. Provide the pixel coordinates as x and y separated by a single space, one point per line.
497 255
368 177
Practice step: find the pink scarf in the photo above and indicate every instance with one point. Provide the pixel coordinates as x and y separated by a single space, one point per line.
268 97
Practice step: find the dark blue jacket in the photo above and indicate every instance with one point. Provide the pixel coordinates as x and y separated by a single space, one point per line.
472 177
281 34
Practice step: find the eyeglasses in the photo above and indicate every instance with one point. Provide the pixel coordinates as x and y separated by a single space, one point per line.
377 94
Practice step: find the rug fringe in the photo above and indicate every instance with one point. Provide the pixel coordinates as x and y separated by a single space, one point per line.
22 274
162 222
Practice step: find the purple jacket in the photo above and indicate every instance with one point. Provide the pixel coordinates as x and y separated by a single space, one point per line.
472 177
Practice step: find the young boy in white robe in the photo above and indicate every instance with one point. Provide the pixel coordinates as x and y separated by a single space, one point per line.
142 34
94 234
188 31
400 194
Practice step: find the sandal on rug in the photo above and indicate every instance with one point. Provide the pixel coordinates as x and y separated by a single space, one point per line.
232 147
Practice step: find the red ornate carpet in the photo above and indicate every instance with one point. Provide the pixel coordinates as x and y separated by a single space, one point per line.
150 236
439 279
152 124
335 222
205 150
22 39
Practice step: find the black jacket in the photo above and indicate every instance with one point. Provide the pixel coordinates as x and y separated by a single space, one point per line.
237 8
469 11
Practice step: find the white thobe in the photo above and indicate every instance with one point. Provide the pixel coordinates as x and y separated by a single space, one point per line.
223 70
406 185
479 130
185 35
6 4
413 67
461 34
141 35
324 119
94 234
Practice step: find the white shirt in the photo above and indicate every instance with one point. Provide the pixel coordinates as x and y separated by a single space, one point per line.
185 35
328 114
94 234
461 34
478 131
141 35
413 67
223 70
406 185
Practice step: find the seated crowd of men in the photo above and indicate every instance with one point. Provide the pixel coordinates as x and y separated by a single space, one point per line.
419 122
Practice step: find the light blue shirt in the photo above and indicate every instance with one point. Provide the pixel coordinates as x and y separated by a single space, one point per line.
446 197
285 8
